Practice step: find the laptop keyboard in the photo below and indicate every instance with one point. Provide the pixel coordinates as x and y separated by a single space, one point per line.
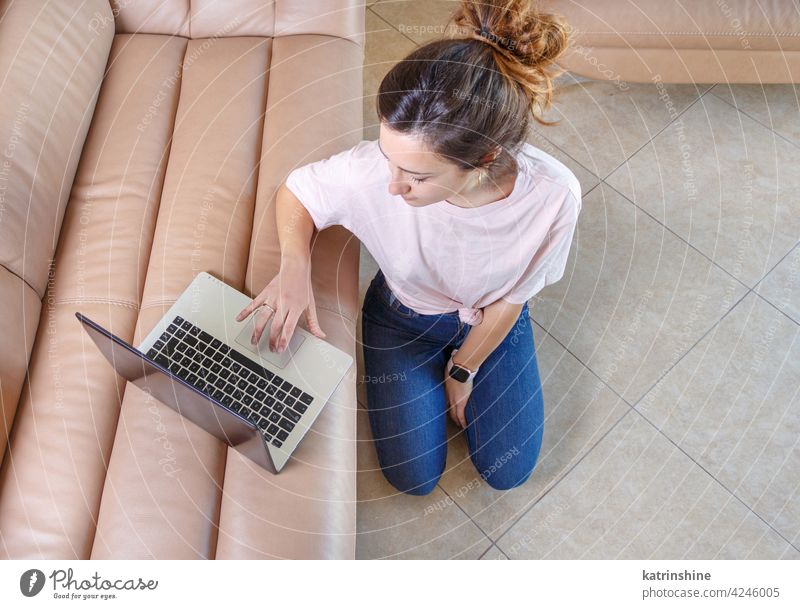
273 404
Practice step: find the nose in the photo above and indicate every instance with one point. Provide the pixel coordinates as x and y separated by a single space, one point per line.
397 186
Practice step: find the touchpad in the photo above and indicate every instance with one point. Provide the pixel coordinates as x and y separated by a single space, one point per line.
261 350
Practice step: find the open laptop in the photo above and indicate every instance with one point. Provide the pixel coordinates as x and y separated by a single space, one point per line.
199 361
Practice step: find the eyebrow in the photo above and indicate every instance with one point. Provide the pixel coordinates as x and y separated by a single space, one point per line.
406 170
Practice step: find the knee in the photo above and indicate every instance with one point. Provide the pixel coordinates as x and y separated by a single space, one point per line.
410 484
507 471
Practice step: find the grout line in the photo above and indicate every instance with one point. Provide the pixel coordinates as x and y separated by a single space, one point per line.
392 26
733 105
703 254
715 479
660 131
786 255
560 478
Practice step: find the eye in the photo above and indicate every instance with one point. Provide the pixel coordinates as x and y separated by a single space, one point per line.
418 180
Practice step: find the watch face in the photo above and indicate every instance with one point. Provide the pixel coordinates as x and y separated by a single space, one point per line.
459 373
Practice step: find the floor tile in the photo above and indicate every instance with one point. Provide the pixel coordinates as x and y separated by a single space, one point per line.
775 105
419 20
579 409
586 178
723 182
391 524
494 554
603 123
782 285
385 46
637 496
634 297
733 405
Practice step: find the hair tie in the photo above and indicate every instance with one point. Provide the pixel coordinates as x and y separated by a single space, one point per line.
507 45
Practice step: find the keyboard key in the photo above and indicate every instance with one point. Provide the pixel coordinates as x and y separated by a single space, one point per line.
291 414
185 324
217 394
280 395
216 343
195 367
289 401
300 407
180 333
282 435
171 347
205 337
182 347
224 373
215 367
260 395
270 401
212 378
274 417
268 374
242 384
305 398
226 361
247 399
273 429
261 384
162 360
238 394
286 386
271 389
209 350
203 373
190 340
224 348
227 400
194 331
217 356
253 378
286 424
186 361
174 367
229 388
235 366
172 328
249 389
200 384
263 423
295 392
191 379
277 443
220 384
152 353
178 320
208 362
159 344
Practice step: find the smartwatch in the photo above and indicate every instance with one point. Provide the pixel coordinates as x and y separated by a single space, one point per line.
460 373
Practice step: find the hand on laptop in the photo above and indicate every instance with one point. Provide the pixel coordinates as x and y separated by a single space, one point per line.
288 295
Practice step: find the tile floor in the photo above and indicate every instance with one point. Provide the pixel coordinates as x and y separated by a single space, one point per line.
669 352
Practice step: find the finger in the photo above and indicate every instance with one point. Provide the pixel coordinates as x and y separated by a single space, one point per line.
313 324
262 319
288 331
248 309
462 418
277 327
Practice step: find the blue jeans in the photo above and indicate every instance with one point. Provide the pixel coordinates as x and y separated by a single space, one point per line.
405 354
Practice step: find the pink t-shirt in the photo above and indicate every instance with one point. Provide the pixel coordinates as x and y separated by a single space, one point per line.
441 257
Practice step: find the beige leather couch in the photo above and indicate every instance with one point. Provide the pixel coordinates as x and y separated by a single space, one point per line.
704 41
142 142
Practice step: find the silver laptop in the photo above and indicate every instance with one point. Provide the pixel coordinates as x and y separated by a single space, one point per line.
199 361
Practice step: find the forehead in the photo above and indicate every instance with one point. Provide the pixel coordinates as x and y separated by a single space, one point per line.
408 152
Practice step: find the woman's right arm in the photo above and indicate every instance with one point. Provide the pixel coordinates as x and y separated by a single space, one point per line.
289 292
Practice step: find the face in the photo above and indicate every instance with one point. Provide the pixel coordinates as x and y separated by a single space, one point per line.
417 174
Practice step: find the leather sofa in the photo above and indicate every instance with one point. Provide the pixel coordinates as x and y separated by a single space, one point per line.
702 41
141 143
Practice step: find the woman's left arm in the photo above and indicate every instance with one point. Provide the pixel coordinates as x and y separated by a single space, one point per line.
498 319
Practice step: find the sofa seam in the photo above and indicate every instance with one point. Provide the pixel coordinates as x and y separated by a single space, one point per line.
112 301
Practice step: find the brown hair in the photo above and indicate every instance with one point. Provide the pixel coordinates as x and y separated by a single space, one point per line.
477 88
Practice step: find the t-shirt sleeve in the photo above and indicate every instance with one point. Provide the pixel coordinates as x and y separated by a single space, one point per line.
325 188
549 262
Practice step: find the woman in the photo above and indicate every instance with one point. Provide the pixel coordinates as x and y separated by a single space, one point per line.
467 222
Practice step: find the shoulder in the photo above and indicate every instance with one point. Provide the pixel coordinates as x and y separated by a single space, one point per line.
551 174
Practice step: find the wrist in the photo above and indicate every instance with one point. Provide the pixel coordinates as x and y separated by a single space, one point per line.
462 373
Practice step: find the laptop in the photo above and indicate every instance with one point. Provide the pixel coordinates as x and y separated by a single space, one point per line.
199 361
